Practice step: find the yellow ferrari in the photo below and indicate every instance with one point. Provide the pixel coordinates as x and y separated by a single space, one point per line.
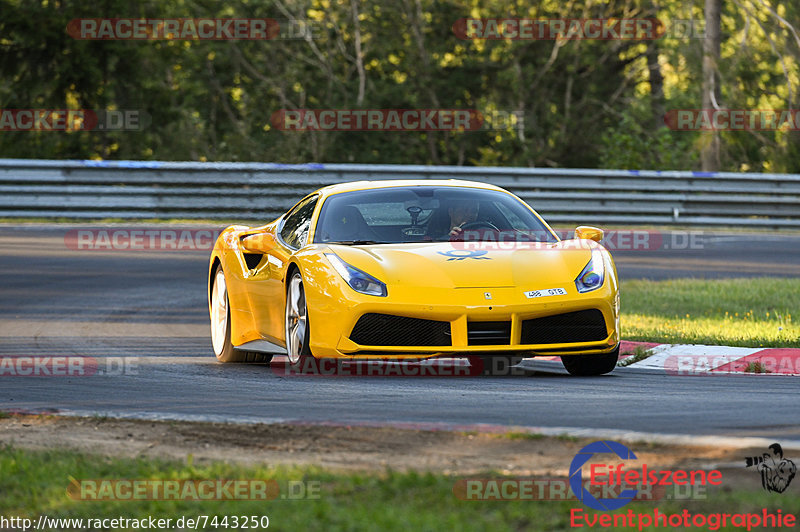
413 270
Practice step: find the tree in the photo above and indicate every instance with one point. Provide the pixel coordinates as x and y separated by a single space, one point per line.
710 157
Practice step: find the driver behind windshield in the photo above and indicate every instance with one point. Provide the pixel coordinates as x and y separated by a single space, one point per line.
447 223
461 213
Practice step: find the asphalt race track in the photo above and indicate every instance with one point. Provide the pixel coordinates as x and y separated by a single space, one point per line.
142 317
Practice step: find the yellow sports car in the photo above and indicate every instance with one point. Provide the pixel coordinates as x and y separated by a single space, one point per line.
413 270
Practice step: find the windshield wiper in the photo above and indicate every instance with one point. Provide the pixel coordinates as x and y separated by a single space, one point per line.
357 242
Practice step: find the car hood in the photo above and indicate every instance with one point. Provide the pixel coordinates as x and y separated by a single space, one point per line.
456 265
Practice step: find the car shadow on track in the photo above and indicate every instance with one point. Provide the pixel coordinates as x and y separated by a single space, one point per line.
443 368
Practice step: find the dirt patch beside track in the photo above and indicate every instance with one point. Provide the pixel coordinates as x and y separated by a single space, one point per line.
343 448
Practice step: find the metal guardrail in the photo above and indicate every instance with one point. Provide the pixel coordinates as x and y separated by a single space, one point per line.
192 190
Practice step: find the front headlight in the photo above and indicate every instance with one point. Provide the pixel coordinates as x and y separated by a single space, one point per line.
592 276
359 281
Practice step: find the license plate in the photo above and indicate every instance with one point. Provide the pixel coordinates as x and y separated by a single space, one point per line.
546 293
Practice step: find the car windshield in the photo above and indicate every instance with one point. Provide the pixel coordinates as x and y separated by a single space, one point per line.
426 213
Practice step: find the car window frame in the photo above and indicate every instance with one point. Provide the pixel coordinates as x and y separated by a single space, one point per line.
299 205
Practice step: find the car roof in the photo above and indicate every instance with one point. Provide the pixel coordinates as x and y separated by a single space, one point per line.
387 183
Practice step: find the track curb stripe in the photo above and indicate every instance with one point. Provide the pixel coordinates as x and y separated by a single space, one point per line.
694 360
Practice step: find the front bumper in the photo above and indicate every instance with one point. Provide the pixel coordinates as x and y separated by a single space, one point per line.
333 314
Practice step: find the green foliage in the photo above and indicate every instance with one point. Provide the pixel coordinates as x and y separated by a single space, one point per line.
634 146
584 103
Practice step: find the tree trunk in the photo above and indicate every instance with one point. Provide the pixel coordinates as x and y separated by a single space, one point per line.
711 95
656 85
655 76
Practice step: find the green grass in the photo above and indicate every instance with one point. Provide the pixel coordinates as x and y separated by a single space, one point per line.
756 367
639 354
35 482
514 435
754 312
517 435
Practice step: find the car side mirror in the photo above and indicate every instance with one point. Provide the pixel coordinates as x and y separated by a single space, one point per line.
258 243
587 232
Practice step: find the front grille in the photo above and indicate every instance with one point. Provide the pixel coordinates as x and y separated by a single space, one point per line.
385 329
488 333
581 326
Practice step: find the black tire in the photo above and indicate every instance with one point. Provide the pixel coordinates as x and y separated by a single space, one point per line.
226 352
500 365
591 365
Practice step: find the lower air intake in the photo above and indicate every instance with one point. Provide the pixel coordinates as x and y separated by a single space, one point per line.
385 329
581 326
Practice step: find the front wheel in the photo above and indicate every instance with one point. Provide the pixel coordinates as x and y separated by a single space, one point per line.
297 329
221 326
591 365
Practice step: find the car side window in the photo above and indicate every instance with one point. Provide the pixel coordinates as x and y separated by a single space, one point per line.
296 225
